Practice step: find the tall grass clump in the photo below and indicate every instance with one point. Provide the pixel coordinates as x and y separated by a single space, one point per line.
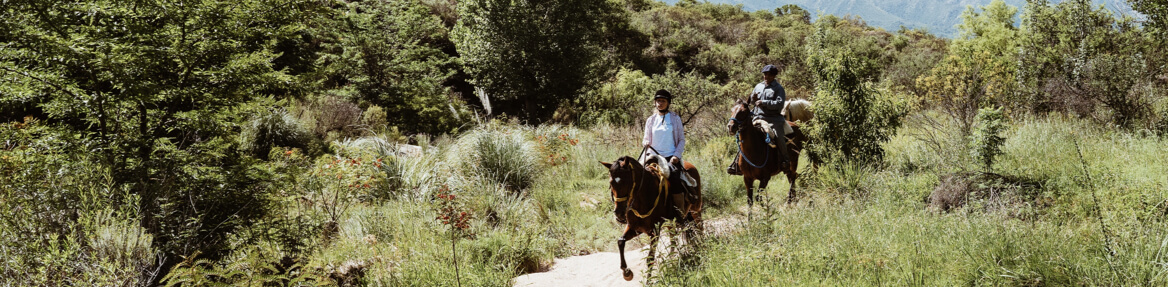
496 152
273 127
847 179
711 158
855 244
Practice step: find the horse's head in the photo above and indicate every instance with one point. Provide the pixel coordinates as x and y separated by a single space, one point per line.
624 174
740 116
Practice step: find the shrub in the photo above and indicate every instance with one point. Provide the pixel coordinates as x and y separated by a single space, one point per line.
62 220
374 119
627 99
1161 124
616 101
273 127
1115 82
335 118
987 140
358 171
851 119
848 179
960 84
554 146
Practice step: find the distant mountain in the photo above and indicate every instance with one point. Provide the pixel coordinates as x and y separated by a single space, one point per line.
938 16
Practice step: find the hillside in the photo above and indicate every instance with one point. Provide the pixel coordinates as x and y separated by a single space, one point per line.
940 16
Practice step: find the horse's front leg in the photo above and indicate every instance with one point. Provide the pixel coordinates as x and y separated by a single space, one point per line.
620 243
749 183
762 185
652 258
791 176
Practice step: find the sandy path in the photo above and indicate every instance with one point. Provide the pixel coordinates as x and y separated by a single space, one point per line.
597 269
603 269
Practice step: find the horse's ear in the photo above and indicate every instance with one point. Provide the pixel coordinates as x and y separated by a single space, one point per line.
605 164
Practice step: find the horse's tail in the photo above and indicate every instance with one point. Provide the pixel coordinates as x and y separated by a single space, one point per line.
799 110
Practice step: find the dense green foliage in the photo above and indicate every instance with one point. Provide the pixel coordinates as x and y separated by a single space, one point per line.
532 55
1083 60
388 53
295 142
851 120
150 90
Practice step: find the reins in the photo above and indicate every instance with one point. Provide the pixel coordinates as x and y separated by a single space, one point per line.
738 137
656 201
619 200
660 190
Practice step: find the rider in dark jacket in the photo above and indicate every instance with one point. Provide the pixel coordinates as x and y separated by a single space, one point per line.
768 98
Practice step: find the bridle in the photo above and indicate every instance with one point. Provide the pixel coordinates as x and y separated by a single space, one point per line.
738 137
632 173
629 206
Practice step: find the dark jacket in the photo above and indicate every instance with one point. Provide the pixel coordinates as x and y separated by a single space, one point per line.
772 97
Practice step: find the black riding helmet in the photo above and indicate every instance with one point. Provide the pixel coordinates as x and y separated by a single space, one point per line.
663 94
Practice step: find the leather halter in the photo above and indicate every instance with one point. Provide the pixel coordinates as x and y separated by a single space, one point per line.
632 173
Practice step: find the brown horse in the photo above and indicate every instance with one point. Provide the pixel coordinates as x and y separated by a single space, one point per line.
756 159
641 196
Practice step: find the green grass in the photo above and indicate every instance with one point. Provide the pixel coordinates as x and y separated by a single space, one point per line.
853 225
889 238
526 212
860 243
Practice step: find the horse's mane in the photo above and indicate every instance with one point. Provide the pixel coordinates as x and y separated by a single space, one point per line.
740 105
630 161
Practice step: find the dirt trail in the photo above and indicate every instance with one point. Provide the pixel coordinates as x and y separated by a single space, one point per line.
597 269
603 269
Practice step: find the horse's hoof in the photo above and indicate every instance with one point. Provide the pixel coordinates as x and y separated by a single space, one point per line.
628 274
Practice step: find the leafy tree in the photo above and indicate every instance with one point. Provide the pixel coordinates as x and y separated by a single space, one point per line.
852 34
794 11
627 99
959 86
916 53
536 53
979 71
1061 47
851 119
992 30
1155 10
152 87
388 53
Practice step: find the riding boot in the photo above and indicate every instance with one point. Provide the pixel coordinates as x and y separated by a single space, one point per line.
733 169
